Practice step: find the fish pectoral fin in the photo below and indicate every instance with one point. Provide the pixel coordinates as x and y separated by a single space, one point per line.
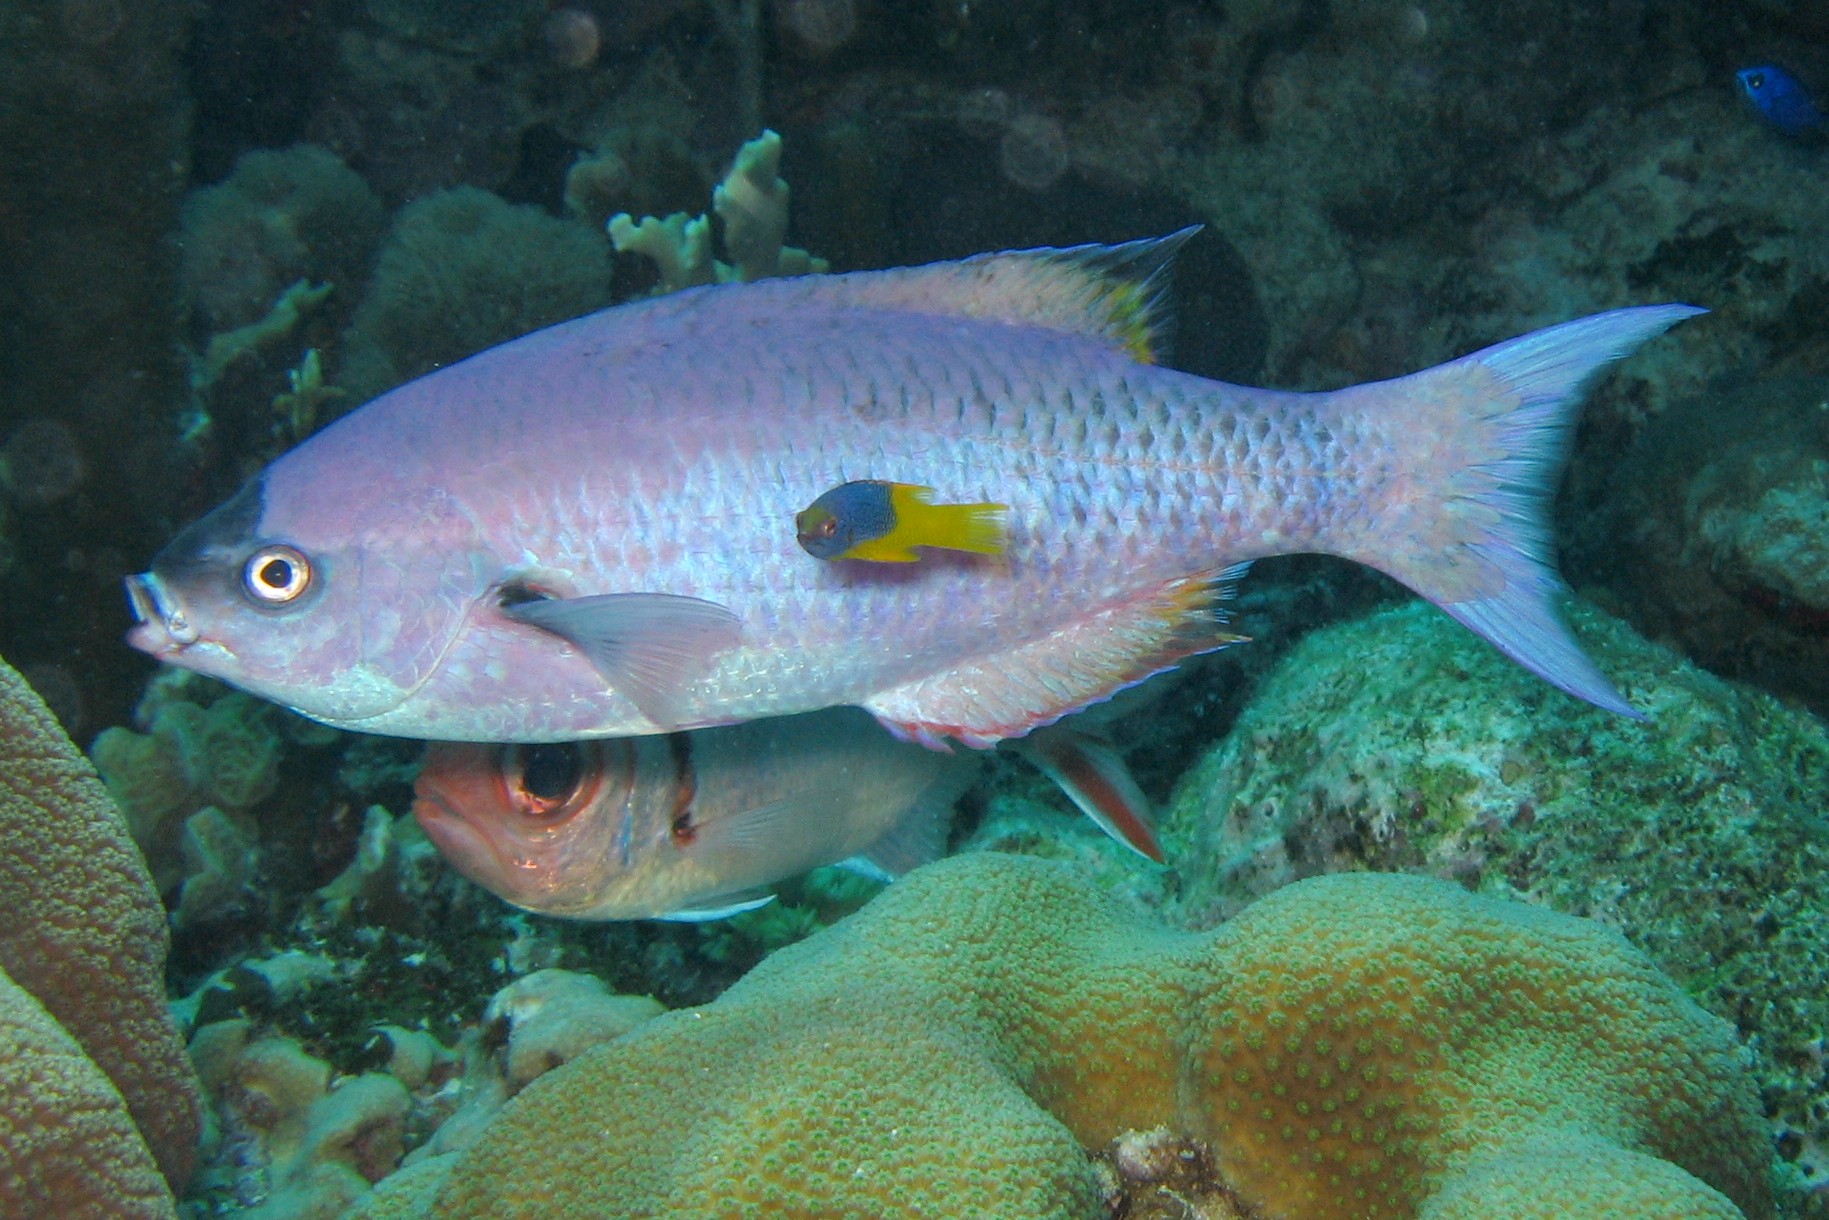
1006 694
810 814
648 646
730 904
1095 779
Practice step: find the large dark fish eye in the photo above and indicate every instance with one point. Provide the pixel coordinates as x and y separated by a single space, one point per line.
542 779
276 575
1755 81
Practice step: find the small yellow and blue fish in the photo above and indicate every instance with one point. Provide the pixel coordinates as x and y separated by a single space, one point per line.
700 825
883 522
583 532
1782 100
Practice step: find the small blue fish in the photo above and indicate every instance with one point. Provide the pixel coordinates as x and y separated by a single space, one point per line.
1781 99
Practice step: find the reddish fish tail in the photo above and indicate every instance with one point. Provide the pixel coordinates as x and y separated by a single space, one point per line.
1465 522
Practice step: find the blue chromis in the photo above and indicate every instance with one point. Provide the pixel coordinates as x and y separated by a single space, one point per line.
1781 99
884 522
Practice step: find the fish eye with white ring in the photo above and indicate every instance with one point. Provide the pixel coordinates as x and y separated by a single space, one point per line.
276 575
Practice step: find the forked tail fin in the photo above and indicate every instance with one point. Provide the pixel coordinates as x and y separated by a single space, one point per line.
1484 439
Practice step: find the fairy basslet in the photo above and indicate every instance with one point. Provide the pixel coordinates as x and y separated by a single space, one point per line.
1781 99
883 522
583 532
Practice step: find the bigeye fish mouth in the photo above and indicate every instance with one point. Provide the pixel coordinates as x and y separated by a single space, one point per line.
466 849
158 614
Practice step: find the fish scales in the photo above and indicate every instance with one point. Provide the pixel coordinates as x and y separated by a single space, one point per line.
537 544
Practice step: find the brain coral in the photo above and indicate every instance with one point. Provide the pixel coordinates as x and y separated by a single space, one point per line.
85 936
1402 742
1353 1046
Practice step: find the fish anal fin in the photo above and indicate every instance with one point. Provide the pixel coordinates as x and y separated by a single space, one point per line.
882 550
1095 779
648 646
983 701
721 907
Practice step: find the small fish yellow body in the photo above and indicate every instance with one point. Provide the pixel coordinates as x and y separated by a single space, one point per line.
883 522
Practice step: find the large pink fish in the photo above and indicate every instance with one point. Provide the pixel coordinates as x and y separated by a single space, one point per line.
590 531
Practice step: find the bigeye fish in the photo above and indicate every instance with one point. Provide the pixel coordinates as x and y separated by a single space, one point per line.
584 532
1781 99
882 522
695 826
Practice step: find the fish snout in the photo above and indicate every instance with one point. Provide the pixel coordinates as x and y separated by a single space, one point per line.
161 623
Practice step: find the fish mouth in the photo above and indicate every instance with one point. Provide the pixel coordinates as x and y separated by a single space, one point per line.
161 628
452 834
465 847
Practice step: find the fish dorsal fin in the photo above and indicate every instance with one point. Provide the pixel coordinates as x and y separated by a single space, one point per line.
1116 294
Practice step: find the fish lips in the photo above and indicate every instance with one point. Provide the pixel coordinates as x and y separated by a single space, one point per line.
454 776
462 845
161 628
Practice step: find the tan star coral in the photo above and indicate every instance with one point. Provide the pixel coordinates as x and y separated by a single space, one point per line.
85 936
1353 1046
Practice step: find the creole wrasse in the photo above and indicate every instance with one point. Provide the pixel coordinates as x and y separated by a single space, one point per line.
580 533
699 825
883 522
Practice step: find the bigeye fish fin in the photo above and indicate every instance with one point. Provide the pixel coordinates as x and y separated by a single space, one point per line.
727 905
865 867
648 646
778 828
1117 295
1006 694
1491 431
919 522
1095 779
918 837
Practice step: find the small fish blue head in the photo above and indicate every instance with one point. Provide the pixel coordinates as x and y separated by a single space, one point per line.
1781 99
845 516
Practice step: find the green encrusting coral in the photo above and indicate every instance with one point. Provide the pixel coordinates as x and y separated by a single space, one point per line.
1402 742
1353 1046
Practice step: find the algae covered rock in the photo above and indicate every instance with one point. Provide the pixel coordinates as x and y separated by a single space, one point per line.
1715 534
282 216
1352 1046
462 270
1403 742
